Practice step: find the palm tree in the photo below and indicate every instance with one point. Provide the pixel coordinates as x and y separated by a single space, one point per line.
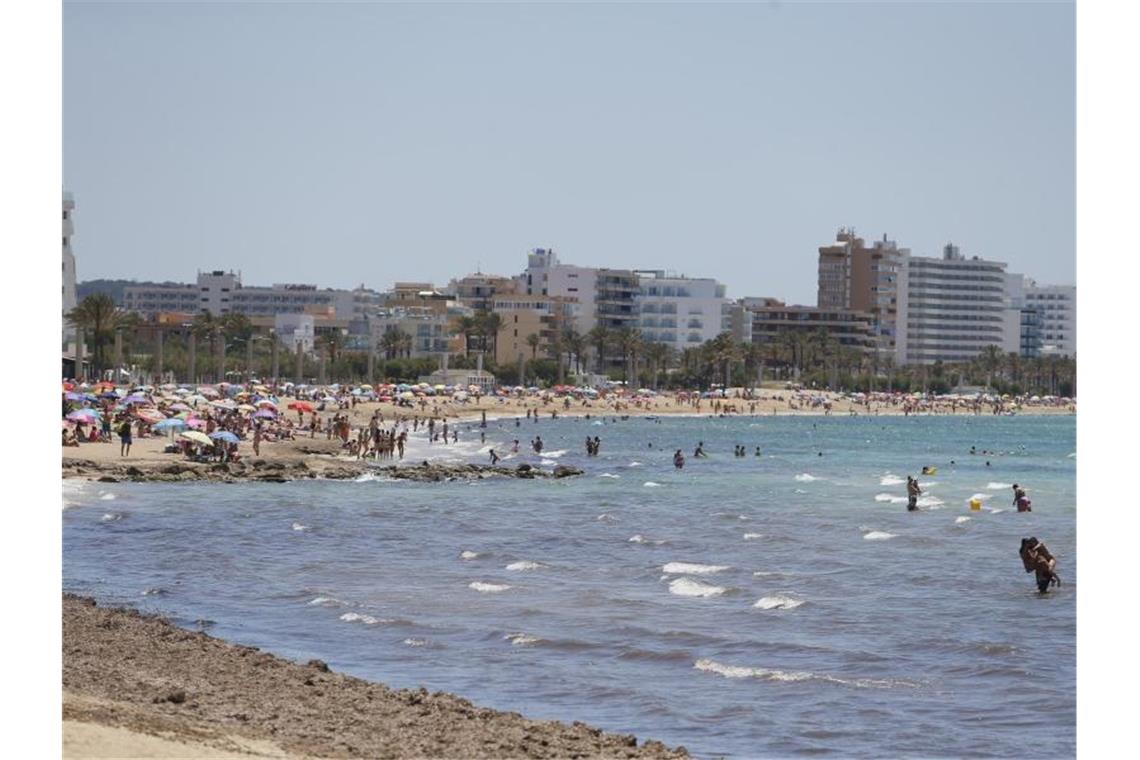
991 361
490 323
390 342
98 317
533 341
659 355
331 343
725 353
599 336
575 344
629 343
465 326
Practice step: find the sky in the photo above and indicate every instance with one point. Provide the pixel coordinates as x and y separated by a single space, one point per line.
368 143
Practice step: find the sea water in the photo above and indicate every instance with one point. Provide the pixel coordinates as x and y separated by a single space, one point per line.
777 605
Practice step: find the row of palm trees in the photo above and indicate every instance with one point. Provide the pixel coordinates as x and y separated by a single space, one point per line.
814 358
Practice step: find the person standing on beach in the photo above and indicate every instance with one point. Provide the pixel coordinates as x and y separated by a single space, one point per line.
125 438
912 492
257 441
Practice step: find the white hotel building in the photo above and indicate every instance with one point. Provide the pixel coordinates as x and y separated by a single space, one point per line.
220 292
1057 305
955 307
69 301
683 312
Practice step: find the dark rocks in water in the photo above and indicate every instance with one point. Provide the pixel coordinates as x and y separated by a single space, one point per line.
320 665
565 471
108 479
524 467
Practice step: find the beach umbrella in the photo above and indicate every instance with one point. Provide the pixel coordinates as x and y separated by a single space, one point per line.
365 387
246 408
84 415
179 407
171 424
69 386
151 415
266 404
265 413
224 435
74 396
407 395
301 406
196 437
195 423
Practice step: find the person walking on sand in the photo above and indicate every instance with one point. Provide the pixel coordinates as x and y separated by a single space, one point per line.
1037 558
912 492
125 438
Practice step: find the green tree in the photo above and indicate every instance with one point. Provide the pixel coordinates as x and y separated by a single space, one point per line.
98 317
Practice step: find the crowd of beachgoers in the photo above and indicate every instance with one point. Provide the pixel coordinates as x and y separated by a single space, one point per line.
209 422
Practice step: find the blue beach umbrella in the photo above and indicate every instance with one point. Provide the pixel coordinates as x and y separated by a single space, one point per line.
225 435
170 424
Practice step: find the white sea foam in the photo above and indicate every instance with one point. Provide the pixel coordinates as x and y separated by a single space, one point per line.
547 462
74 491
998 486
961 519
690 587
766 573
325 601
690 568
806 478
608 475
521 639
107 497
358 617
651 484
111 517
878 535
634 464
996 511
525 565
751 536
929 502
778 603
468 555
640 539
736 671
488 588
799 490
299 527
980 496
891 480
606 517
890 497
1073 455
415 642
554 454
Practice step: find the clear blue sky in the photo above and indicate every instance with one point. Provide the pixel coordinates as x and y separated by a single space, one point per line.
368 143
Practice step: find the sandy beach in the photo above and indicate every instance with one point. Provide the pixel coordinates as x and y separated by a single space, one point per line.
323 457
137 686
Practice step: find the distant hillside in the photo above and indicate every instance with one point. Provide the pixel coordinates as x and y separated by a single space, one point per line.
113 288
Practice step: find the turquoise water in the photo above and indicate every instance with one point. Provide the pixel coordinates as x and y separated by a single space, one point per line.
747 607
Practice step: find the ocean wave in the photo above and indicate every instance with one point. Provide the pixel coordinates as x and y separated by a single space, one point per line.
299 527
878 535
634 464
799 490
998 486
606 517
488 588
521 639
777 603
980 497
608 475
415 642
469 555
359 617
111 517
804 477
525 565
751 536
107 497
325 601
996 511
961 519
891 480
554 454
651 484
735 671
640 539
155 591
547 462
73 492
691 568
890 497
690 587
929 502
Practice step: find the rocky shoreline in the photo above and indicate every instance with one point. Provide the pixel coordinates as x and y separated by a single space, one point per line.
266 470
142 674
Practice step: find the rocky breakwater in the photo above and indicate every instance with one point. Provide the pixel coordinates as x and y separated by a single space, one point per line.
286 470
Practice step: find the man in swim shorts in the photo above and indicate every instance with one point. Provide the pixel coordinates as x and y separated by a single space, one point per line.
912 492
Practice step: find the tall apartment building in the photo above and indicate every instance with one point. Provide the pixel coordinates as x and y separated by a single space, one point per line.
479 290
525 315
69 300
956 307
771 322
870 279
219 292
1057 307
681 311
606 297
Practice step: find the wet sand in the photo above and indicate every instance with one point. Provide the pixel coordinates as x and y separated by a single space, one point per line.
138 686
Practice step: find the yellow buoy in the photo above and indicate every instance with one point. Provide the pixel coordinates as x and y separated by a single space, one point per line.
975 505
